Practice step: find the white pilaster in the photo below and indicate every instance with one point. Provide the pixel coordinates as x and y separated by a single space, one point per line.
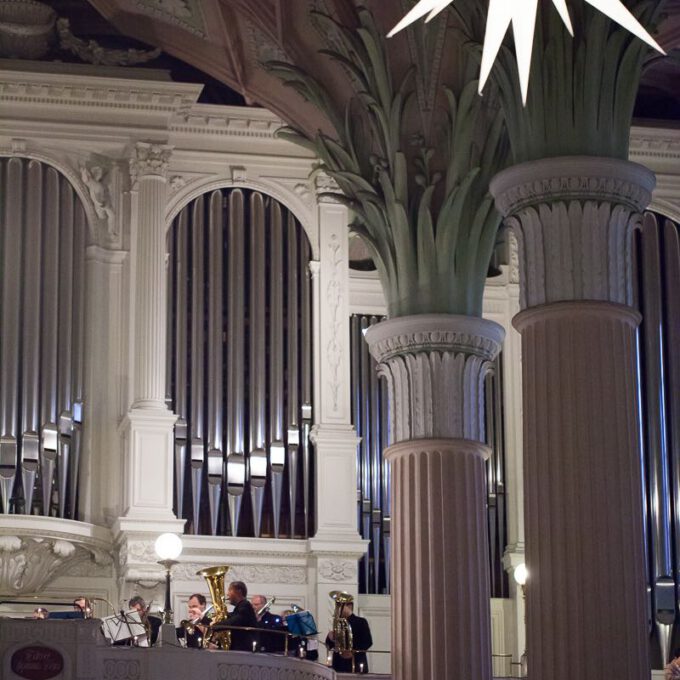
337 545
147 428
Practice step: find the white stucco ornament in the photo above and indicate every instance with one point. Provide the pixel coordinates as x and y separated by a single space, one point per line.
522 15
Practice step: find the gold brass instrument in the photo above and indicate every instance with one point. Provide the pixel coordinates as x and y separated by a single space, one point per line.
214 577
265 607
342 631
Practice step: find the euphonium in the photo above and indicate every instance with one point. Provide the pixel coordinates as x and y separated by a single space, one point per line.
215 579
341 628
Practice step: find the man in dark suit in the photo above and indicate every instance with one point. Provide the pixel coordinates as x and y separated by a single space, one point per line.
361 641
243 615
152 623
196 607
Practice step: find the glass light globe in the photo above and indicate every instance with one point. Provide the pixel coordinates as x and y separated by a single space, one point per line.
521 574
168 546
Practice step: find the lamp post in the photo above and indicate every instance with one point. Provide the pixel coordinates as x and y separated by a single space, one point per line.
520 575
168 547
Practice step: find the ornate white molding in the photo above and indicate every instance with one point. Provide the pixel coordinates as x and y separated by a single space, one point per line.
249 573
334 300
29 562
80 91
342 571
435 366
149 160
573 219
325 187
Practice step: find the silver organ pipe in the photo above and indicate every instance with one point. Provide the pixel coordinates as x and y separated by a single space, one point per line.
276 286
197 423
10 320
41 338
77 359
65 344
215 363
49 350
657 450
256 337
306 359
368 430
376 468
236 464
257 398
181 376
672 283
292 367
30 364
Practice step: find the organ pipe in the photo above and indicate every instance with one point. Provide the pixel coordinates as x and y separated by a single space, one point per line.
236 464
257 374
197 446
215 360
277 447
257 399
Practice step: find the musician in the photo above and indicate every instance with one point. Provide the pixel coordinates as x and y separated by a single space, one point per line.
196 606
361 640
265 619
151 623
82 605
40 613
243 615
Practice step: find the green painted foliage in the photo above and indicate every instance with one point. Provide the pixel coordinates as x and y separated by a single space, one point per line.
582 89
431 233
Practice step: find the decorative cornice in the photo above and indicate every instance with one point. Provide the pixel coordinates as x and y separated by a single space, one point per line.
81 91
582 178
435 366
654 143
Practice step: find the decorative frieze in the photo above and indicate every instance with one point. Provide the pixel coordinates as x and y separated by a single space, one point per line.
338 570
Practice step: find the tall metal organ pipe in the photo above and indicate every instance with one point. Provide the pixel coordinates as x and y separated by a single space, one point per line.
254 325
42 251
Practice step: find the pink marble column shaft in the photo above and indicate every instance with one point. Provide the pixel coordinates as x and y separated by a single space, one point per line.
435 367
586 603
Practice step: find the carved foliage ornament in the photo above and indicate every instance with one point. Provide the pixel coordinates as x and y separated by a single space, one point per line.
149 160
28 564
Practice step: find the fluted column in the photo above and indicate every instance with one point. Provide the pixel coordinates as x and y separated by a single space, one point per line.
435 368
586 609
148 426
148 169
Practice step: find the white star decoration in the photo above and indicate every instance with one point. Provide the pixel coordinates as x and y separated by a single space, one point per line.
522 15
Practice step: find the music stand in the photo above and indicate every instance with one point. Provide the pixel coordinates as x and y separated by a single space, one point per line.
301 623
123 626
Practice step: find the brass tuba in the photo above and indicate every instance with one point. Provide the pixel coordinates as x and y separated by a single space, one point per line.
214 576
341 629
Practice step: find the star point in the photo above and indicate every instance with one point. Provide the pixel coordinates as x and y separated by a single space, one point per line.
521 16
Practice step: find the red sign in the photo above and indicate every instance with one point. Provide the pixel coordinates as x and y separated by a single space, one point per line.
37 663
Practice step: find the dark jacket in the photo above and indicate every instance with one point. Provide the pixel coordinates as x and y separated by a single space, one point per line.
242 615
361 640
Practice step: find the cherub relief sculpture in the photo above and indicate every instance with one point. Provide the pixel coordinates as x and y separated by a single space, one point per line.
93 179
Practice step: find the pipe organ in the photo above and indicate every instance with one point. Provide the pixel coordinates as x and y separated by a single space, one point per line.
369 412
240 366
657 262
42 254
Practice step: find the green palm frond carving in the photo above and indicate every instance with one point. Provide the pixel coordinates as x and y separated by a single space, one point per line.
431 231
582 89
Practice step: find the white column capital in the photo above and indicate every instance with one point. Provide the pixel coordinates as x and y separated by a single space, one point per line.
149 160
435 366
573 218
